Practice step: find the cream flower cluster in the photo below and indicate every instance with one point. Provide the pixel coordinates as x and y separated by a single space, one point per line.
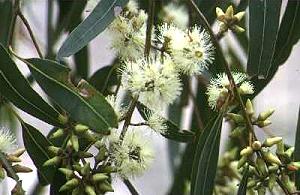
220 87
7 140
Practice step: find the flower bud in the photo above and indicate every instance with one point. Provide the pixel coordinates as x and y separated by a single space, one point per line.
289 152
18 152
229 12
287 183
256 145
67 172
246 151
13 159
75 143
220 14
2 174
105 187
81 128
280 148
294 166
261 190
265 115
272 141
89 137
238 29
77 191
251 183
242 161
239 16
253 170
272 181
53 161
85 170
99 177
58 133
63 119
249 107
77 168
271 158
83 154
89 190
237 118
265 123
55 150
238 131
69 185
273 168
261 167
21 169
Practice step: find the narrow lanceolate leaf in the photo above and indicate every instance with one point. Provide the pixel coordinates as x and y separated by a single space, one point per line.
83 103
173 132
263 27
243 185
36 145
206 158
289 32
6 11
95 23
297 151
15 88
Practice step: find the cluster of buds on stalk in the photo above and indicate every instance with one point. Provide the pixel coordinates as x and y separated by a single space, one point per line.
266 168
229 20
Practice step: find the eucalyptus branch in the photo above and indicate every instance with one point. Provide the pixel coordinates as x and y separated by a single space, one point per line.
139 124
24 20
252 136
130 187
149 28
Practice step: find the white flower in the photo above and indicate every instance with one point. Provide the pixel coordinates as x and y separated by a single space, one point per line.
133 156
177 15
112 100
219 88
128 33
191 51
156 122
157 83
7 140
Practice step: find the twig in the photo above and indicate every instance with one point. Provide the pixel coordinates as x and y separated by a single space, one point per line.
149 28
130 187
13 23
139 124
24 20
283 187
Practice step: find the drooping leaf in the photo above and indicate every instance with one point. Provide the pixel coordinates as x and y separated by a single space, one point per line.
6 11
263 27
81 60
95 23
83 103
15 87
104 78
289 32
243 185
36 145
173 132
297 151
206 158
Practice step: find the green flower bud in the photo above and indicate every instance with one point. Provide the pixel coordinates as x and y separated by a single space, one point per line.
69 185
265 115
81 128
13 159
55 150
280 148
89 137
58 133
289 152
261 190
249 107
89 190
251 183
77 168
273 168
77 191
288 183
108 169
237 118
18 152
2 174
265 123
272 141
253 170
63 119
242 161
239 16
272 181
105 187
238 131
99 177
246 151
256 145
238 29
53 161
229 12
67 172
220 14
261 167
85 170
75 143
21 169
85 154
102 154
271 158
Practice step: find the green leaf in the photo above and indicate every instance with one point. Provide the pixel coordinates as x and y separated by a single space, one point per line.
104 78
58 181
83 103
173 132
263 27
297 151
36 145
243 185
103 14
16 89
6 11
289 32
206 158
81 60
